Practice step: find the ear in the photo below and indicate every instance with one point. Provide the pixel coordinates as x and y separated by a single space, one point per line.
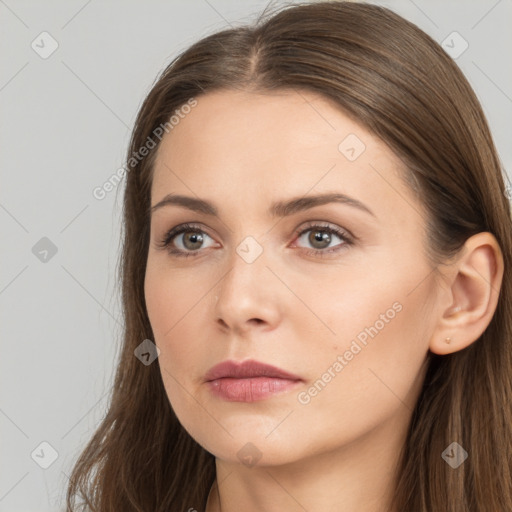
474 283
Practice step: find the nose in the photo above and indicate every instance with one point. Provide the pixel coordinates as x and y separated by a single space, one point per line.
248 297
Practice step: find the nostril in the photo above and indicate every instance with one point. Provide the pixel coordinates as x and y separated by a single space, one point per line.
223 324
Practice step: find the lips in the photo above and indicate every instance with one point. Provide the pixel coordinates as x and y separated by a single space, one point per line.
246 370
249 381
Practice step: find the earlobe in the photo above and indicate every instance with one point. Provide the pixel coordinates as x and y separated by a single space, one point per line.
473 295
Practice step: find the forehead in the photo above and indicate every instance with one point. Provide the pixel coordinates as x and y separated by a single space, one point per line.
276 120
245 144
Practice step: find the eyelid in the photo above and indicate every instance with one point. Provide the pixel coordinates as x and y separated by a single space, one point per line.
172 233
325 225
347 240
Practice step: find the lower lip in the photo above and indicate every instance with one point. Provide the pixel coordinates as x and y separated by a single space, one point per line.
250 389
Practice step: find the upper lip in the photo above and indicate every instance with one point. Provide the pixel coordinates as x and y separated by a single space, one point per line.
247 369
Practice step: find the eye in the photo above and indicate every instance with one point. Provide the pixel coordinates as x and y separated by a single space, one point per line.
193 237
321 236
186 245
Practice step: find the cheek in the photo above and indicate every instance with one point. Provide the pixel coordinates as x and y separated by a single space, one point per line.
372 367
176 311
172 299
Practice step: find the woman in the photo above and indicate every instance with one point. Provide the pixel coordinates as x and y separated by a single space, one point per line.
316 280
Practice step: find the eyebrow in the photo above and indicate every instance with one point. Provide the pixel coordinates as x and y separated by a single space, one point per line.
277 209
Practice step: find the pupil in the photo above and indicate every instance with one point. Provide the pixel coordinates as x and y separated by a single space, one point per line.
321 236
194 238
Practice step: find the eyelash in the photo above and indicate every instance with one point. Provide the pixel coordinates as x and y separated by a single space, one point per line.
165 242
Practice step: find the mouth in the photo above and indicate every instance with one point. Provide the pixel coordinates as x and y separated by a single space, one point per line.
249 381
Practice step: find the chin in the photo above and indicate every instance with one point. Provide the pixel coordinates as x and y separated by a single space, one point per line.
250 445
254 454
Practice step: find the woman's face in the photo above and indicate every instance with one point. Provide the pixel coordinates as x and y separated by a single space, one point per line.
339 294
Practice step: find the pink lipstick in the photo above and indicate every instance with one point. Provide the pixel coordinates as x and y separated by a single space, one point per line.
249 381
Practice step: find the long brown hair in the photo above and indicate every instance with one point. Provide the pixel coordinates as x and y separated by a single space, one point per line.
397 82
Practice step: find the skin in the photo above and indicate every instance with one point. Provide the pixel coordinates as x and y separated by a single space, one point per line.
242 151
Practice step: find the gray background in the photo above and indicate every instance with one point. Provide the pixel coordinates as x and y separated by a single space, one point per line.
66 121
